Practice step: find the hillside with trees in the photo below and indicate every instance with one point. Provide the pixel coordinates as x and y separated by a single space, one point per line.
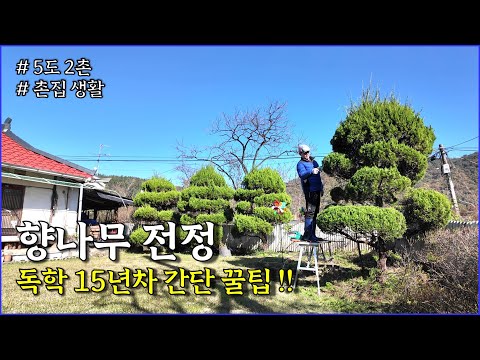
127 186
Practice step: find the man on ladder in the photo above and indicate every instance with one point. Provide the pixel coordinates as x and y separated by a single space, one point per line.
309 172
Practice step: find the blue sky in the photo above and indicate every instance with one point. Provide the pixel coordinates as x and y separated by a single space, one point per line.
156 96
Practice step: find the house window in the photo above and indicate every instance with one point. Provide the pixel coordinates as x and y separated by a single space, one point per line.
12 204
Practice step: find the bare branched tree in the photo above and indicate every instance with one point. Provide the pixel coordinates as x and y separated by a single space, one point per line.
187 172
247 140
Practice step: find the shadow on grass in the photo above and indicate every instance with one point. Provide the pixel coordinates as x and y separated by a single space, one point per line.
329 271
348 267
132 306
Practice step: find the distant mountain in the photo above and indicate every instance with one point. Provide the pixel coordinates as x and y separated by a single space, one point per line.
126 186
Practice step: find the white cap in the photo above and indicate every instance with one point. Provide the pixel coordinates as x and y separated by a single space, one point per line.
302 148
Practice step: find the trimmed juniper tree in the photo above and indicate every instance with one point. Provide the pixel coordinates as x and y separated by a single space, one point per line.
426 210
156 204
380 151
261 202
207 199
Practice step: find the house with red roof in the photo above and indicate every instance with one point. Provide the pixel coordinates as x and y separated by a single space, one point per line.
38 186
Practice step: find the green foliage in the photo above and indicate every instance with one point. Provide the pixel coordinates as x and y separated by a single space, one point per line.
157 184
166 215
265 213
245 224
217 218
156 201
244 207
146 212
381 149
339 165
247 194
207 192
389 223
138 236
186 219
271 216
379 154
376 119
206 199
159 200
385 154
262 187
268 199
182 205
426 209
372 184
196 204
267 179
207 176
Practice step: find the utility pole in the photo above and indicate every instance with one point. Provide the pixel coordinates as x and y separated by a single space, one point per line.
98 159
446 171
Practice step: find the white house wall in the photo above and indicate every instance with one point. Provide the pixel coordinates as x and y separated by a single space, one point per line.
37 203
66 213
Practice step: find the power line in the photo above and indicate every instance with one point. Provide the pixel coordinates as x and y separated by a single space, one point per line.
146 158
466 149
433 155
449 147
173 160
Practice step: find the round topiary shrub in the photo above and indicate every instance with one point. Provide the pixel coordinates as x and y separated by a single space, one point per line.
425 210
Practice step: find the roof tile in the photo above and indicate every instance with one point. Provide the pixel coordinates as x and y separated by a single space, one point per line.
14 153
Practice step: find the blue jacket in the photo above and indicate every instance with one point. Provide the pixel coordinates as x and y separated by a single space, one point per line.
310 182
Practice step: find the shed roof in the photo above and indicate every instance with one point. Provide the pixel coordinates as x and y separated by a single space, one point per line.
103 200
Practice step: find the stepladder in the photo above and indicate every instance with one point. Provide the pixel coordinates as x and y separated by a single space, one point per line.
310 251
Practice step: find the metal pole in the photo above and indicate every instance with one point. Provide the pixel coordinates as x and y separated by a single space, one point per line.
80 204
446 171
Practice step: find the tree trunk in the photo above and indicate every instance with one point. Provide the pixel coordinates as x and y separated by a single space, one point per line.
382 256
224 250
382 260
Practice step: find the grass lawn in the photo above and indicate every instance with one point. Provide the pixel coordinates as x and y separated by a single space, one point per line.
135 284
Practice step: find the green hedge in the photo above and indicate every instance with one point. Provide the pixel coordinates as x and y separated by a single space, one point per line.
266 179
427 209
247 194
157 184
388 222
268 199
146 212
207 192
159 200
245 224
